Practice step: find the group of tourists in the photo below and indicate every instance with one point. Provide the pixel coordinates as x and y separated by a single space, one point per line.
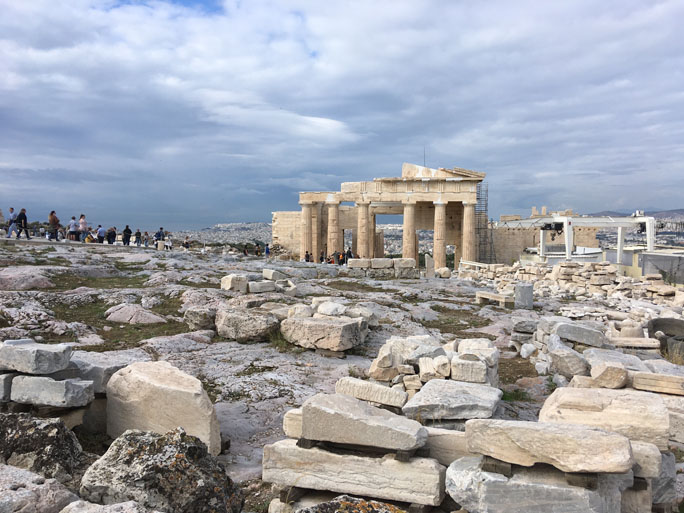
337 257
78 230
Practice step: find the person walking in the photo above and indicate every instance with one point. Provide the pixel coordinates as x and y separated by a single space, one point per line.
146 239
267 252
82 228
22 223
127 236
101 232
138 237
11 223
53 221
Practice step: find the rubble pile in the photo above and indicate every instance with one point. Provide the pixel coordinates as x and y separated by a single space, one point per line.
408 363
582 281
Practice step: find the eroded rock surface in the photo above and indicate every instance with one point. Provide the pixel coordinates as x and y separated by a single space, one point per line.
171 472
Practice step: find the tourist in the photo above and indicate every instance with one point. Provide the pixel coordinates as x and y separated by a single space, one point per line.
11 223
53 221
159 235
307 258
267 252
321 259
244 251
186 242
100 234
349 254
138 237
22 223
83 227
168 243
73 228
257 250
127 232
146 239
111 235
41 231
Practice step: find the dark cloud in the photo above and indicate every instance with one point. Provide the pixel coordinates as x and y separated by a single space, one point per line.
189 113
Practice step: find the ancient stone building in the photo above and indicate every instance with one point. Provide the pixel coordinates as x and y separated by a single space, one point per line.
442 200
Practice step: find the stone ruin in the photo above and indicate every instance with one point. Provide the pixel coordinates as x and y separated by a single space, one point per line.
441 199
425 434
576 280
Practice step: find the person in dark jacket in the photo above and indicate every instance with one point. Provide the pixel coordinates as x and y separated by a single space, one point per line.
138 237
111 235
127 232
22 224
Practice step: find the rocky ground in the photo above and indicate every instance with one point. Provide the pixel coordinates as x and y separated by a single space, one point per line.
65 293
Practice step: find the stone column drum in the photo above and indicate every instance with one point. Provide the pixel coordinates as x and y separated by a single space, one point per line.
439 249
409 231
307 230
363 226
469 246
334 242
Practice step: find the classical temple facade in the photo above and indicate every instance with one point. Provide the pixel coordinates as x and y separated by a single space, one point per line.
442 200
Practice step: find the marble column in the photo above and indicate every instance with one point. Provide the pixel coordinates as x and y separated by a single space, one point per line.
334 242
306 230
409 231
316 245
469 235
363 223
439 243
371 240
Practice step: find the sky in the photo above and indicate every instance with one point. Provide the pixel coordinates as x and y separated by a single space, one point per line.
191 113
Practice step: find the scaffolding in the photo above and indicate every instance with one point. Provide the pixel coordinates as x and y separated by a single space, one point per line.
485 237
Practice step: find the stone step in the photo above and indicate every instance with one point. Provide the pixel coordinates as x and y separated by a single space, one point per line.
419 481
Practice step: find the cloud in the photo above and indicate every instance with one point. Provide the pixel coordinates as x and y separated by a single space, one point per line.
190 113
